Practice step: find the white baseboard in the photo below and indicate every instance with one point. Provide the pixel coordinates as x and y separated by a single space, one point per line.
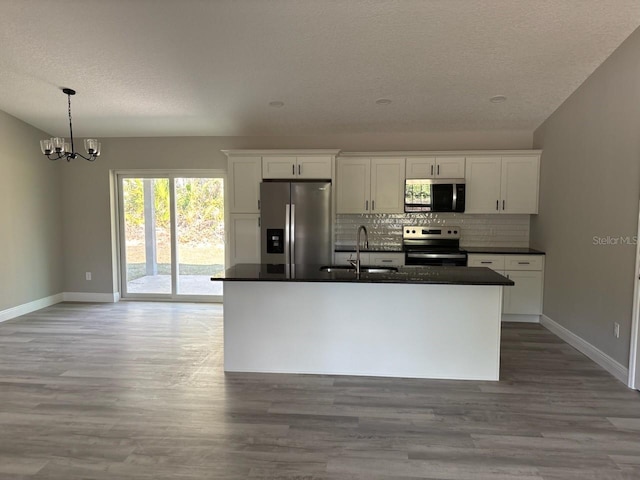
88 297
509 317
605 361
25 308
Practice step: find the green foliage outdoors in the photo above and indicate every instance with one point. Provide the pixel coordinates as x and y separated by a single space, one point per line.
199 207
417 192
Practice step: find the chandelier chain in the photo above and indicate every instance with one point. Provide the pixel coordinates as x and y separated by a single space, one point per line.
73 149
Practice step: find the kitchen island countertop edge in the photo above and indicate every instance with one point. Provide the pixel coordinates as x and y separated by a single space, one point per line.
440 275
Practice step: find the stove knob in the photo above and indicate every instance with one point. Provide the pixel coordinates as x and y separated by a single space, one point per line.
449 231
413 231
455 231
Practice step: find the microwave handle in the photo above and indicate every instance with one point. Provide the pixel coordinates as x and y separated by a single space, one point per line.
454 203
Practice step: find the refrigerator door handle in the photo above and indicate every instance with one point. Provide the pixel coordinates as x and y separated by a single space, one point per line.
287 232
293 233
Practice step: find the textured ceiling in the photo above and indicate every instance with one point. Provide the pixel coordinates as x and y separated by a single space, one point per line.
196 67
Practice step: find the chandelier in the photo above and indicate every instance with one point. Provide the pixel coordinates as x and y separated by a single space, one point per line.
57 148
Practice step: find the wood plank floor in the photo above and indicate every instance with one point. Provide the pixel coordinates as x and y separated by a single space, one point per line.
137 391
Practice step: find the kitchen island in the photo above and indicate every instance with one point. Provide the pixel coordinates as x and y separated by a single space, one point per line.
420 322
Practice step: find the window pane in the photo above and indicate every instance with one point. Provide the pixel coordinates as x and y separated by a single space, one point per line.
147 235
200 232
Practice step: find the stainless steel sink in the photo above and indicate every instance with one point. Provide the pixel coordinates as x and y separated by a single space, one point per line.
337 268
378 269
350 269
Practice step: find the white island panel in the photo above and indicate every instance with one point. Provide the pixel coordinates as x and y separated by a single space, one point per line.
371 329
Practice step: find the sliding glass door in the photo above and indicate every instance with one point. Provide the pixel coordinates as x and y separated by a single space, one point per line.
171 236
199 235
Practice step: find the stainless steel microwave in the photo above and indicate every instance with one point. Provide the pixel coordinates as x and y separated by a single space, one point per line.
434 195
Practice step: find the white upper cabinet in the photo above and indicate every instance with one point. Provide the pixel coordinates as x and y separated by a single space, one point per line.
450 167
279 167
520 179
502 184
435 167
421 167
245 175
286 167
353 182
314 167
366 185
387 185
483 184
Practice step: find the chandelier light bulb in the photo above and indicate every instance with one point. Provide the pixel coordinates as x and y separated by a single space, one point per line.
46 146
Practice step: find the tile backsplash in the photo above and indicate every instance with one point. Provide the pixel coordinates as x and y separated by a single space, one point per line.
385 230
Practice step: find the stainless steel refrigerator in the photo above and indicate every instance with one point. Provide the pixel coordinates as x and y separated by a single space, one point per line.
295 220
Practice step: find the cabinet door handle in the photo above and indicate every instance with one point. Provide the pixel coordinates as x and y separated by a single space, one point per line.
502 204
259 221
373 205
366 205
293 169
438 170
432 170
299 169
258 204
497 203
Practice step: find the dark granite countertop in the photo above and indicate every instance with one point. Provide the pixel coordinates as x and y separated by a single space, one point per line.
252 272
503 250
381 249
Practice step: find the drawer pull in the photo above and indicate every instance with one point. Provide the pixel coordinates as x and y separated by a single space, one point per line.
387 260
487 262
524 263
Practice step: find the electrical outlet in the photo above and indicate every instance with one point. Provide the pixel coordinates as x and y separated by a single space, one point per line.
87 275
616 329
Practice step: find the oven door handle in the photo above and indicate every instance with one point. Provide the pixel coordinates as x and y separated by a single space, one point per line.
436 255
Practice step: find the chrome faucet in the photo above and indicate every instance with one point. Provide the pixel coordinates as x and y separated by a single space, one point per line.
356 264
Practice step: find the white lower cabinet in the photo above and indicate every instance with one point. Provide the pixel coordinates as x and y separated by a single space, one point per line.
244 238
389 259
525 297
526 271
342 258
494 262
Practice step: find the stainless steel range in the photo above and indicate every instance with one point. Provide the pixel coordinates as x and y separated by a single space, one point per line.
432 246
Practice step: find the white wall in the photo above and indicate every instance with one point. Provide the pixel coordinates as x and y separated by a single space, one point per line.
86 198
31 264
590 186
